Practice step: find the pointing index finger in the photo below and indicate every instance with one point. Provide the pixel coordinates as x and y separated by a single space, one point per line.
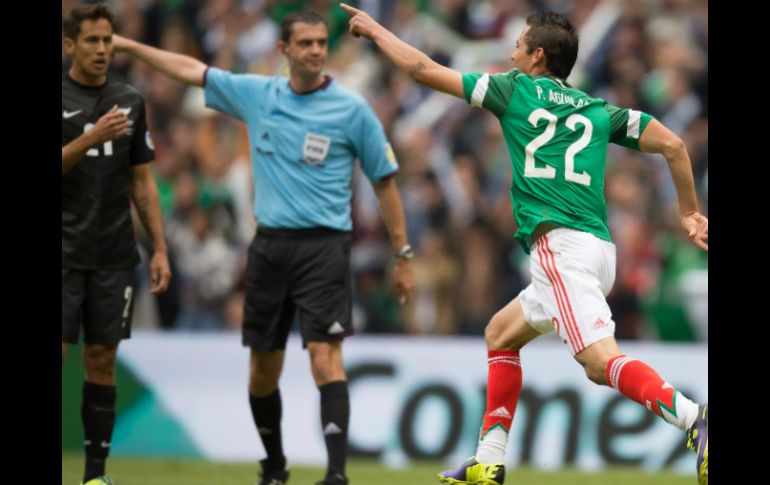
349 9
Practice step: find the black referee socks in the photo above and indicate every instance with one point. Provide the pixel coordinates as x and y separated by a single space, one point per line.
335 414
267 416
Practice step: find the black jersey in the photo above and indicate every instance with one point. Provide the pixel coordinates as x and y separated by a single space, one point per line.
97 232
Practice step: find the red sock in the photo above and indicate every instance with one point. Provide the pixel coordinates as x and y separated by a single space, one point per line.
503 388
638 381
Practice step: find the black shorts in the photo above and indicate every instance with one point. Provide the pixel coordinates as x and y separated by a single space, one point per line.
298 269
101 300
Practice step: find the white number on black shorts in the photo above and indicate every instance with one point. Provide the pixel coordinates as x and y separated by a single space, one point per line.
128 295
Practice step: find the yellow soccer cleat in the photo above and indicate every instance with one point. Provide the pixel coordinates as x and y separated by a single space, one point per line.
473 472
102 480
698 441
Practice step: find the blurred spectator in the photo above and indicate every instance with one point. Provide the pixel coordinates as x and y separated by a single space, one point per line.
433 309
206 272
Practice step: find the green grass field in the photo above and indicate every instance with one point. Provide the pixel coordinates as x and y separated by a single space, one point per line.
184 472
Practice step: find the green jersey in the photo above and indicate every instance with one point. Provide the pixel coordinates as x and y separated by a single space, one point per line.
557 139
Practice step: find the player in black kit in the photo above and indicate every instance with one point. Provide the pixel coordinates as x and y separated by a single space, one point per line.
105 153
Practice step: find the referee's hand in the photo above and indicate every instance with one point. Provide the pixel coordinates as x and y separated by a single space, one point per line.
403 280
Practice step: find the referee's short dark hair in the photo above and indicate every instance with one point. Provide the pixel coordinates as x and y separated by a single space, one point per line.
71 24
304 16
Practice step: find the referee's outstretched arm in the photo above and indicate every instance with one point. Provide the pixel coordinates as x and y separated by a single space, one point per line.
183 68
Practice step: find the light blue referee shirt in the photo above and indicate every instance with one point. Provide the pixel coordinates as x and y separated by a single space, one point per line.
303 146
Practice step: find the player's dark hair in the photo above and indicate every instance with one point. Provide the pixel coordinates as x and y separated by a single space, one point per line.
304 16
71 24
557 37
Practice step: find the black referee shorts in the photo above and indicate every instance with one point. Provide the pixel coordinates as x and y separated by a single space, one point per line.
297 269
102 301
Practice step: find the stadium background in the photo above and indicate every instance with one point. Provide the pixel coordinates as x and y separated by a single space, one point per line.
645 54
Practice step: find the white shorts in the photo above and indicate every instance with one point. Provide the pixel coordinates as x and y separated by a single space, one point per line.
572 272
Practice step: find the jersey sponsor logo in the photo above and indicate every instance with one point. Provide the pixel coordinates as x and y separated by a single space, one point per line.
69 114
315 149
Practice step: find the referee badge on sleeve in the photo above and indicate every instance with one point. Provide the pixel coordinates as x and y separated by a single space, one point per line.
390 155
148 140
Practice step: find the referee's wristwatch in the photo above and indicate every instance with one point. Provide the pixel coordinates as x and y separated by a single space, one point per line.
406 252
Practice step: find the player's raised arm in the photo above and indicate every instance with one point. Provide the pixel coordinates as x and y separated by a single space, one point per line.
416 64
183 68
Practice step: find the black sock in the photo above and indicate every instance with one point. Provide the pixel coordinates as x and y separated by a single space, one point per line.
335 414
267 416
98 413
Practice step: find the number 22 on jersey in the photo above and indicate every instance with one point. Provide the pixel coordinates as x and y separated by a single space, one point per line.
548 172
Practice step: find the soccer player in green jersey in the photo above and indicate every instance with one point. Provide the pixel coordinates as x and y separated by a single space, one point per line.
557 139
